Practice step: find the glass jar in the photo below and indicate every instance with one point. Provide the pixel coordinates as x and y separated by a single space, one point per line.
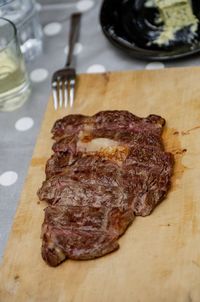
14 82
24 15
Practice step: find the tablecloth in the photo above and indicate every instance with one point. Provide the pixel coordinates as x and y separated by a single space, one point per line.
19 129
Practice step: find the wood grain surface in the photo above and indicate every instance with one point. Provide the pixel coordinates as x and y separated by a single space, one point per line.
159 255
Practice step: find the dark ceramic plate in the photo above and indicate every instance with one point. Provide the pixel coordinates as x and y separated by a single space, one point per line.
129 25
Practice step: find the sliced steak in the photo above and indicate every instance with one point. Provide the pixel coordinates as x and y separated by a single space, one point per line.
106 121
82 232
105 169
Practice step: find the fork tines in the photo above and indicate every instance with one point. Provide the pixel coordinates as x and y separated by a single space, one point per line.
63 87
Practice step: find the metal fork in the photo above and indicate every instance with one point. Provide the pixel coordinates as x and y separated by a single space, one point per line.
64 80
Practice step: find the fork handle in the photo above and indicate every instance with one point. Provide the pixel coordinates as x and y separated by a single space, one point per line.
73 37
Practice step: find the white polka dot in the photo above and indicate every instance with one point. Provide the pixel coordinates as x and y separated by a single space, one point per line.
77 49
39 75
96 68
38 7
8 178
52 29
24 124
155 65
84 5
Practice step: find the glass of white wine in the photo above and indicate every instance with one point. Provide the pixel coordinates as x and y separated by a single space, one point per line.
14 82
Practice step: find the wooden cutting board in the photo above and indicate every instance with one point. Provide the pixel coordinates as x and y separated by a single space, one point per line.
159 255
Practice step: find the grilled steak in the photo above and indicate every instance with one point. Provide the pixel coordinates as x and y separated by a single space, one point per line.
105 170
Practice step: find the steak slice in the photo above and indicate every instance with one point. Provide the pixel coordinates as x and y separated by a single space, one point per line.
78 232
106 123
105 169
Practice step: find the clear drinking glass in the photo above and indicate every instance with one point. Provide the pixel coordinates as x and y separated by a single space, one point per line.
14 82
24 15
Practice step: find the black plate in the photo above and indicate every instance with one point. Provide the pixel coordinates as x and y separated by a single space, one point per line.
129 25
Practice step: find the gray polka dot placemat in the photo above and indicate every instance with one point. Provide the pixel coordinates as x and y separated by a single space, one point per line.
19 129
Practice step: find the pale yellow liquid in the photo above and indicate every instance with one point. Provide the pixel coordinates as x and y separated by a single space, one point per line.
14 85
